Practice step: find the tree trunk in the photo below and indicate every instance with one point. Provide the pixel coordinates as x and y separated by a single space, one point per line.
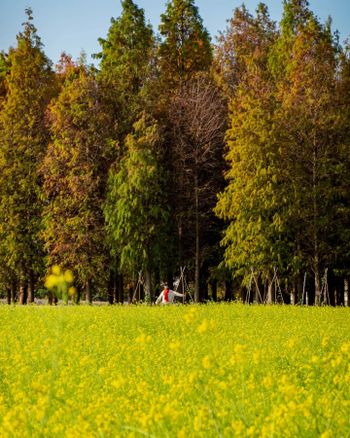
77 296
130 294
181 253
148 291
31 288
315 232
88 292
346 292
120 289
297 290
228 290
214 290
293 293
8 295
197 261
205 290
269 297
111 287
317 288
13 292
50 297
22 291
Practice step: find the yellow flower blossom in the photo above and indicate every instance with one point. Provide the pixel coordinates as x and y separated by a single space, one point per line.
203 327
132 371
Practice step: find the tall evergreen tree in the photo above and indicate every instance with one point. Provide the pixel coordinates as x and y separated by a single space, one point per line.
310 144
246 39
4 68
185 48
284 198
251 202
74 173
134 211
23 141
343 184
126 65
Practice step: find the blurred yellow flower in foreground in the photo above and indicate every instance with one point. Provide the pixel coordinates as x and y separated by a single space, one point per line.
58 281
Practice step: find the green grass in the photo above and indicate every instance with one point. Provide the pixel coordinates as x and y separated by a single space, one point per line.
216 370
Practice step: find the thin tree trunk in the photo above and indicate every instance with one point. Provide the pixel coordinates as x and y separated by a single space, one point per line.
346 292
50 297
297 290
299 287
292 297
317 287
181 253
214 290
88 292
197 261
120 288
269 292
111 287
205 290
130 295
228 290
148 291
77 297
31 288
315 233
13 292
22 292
30 292
8 295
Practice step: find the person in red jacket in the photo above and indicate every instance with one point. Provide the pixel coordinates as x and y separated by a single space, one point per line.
167 296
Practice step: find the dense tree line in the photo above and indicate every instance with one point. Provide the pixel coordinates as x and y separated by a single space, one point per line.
229 159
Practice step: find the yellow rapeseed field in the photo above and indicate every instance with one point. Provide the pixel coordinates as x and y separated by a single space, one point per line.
187 371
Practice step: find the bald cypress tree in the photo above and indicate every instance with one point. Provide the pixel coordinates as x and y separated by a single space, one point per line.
285 198
125 69
134 210
74 172
310 144
126 65
251 203
185 48
23 141
3 71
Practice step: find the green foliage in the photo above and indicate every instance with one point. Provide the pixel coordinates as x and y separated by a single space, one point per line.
4 68
126 65
29 84
250 202
185 48
134 211
310 153
74 173
285 195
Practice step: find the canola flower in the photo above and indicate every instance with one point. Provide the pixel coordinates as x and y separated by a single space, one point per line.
59 282
198 371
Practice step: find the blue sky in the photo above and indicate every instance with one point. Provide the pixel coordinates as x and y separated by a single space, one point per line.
75 25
